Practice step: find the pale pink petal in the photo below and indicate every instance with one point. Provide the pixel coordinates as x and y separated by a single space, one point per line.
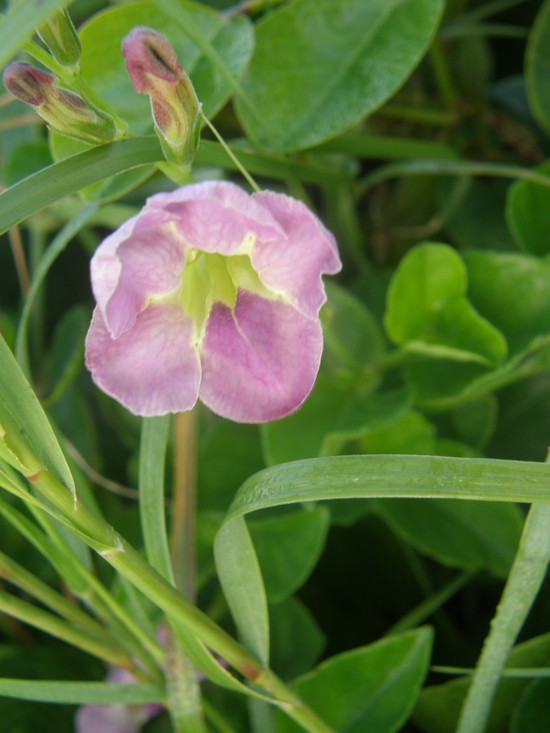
294 264
110 719
133 264
153 368
260 362
217 216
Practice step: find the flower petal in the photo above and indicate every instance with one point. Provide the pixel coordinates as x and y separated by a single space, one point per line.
153 368
217 216
294 264
110 719
144 257
260 362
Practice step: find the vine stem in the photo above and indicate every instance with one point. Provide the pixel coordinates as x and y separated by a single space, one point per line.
522 587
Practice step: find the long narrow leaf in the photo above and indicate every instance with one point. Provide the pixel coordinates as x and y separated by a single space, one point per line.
387 477
34 193
81 693
154 439
21 411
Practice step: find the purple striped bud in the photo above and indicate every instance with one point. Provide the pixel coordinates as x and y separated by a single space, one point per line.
64 111
155 70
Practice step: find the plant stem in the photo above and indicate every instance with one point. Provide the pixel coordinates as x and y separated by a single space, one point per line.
521 589
101 537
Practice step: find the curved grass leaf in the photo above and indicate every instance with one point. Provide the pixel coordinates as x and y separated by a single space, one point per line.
81 693
61 179
387 477
20 411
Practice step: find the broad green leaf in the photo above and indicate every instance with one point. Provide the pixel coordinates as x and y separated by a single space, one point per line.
353 338
81 693
20 21
242 584
439 706
533 712
319 66
296 640
513 292
463 534
474 421
537 67
25 160
411 434
428 311
22 415
331 416
373 688
477 222
288 548
528 215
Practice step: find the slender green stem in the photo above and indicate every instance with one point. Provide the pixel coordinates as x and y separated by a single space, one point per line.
17 575
435 117
442 75
233 157
522 587
451 168
108 650
508 672
497 30
417 615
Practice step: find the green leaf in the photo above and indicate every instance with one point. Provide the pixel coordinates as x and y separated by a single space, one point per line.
464 534
81 693
20 22
428 311
369 689
288 548
296 640
335 63
537 67
353 338
439 706
528 214
61 179
242 584
22 415
65 360
329 418
391 477
152 455
533 712
513 292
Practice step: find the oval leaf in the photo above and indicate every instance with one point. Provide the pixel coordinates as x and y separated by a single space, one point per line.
320 65
368 689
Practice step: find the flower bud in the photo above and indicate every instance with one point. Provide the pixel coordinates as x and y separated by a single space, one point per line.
64 111
155 70
60 36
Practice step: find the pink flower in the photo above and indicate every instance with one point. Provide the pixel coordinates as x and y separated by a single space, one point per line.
115 718
214 293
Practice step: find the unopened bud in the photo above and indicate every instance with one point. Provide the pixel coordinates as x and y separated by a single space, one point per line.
155 70
64 111
60 36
